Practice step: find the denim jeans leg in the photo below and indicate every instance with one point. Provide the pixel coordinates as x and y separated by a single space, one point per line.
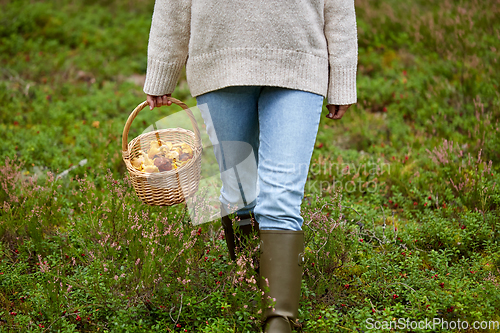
231 119
288 121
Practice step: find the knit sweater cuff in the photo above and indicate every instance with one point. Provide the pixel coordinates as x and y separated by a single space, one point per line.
162 77
342 86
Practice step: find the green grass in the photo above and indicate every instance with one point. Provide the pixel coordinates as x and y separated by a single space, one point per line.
401 211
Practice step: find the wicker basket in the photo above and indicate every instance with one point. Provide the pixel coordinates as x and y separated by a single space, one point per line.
165 188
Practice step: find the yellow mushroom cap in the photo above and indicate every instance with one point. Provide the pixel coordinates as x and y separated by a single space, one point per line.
147 160
137 162
153 151
186 148
151 169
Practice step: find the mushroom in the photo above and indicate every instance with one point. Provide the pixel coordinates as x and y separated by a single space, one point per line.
151 169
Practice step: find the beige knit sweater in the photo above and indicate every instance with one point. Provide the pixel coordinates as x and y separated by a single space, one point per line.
308 45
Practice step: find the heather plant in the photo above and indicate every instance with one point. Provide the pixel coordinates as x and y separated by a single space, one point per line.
124 245
38 206
472 181
327 248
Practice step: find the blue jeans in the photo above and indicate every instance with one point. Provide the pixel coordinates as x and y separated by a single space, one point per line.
263 140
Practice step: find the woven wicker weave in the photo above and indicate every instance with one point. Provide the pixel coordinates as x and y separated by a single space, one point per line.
165 188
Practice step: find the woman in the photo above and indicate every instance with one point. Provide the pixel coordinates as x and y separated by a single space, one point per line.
261 68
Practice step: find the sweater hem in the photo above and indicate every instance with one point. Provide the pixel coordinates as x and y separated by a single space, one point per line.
257 67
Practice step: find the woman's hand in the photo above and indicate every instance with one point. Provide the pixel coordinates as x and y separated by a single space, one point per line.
157 101
336 111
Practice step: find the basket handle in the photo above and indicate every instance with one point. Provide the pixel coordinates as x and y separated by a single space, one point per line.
142 106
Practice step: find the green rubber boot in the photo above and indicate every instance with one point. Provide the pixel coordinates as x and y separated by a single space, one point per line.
227 224
281 262
238 240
